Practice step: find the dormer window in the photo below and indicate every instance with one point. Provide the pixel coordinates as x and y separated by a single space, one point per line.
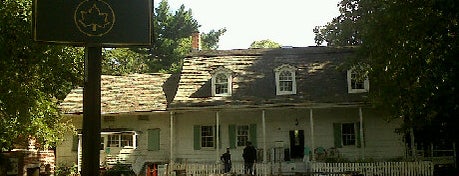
285 80
357 83
221 82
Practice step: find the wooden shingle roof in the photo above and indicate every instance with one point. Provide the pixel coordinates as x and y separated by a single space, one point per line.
319 79
119 94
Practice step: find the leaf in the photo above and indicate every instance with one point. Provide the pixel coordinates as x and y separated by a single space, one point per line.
94 18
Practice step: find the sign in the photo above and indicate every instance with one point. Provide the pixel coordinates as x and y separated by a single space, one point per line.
93 22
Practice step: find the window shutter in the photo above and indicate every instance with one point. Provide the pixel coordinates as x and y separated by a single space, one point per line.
357 135
197 137
253 134
232 136
75 143
337 134
153 139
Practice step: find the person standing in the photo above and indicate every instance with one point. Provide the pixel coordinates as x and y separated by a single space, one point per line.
250 155
226 158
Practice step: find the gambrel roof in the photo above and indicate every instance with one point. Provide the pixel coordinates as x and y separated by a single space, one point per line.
319 82
319 78
119 94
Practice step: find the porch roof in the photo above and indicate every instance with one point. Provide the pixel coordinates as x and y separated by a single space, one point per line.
130 93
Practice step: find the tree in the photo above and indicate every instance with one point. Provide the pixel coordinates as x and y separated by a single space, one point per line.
171 38
34 77
411 48
119 61
209 41
265 44
171 43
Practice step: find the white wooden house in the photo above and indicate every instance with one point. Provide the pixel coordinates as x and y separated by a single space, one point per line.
286 101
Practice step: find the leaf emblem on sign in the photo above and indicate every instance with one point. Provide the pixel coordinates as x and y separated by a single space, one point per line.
94 18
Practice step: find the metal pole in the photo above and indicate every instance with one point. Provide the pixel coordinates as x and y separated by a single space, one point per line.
91 111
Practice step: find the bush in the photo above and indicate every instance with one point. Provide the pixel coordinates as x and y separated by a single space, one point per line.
119 170
66 170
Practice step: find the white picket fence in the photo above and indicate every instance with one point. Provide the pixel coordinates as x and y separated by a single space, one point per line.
419 168
198 169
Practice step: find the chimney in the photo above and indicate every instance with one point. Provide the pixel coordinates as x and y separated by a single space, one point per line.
195 41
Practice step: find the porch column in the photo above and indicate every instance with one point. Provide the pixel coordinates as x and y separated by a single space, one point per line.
362 142
263 121
311 121
171 144
217 134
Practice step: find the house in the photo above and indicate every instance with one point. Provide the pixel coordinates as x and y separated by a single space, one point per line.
286 101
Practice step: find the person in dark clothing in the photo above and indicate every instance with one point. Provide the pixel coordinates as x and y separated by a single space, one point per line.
226 158
250 155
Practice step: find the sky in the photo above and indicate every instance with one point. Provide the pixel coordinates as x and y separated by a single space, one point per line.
288 22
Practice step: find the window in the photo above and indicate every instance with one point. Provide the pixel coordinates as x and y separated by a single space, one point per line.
285 80
102 146
348 134
207 136
242 135
221 82
113 140
356 82
123 139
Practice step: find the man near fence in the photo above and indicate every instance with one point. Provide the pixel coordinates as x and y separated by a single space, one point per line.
250 155
226 158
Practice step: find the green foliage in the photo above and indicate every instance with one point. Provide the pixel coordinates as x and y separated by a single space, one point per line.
411 48
265 44
209 41
66 170
119 61
171 41
119 170
34 77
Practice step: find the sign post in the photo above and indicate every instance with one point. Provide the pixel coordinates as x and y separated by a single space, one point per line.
91 111
93 24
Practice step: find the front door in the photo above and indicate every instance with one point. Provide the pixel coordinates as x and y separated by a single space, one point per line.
296 143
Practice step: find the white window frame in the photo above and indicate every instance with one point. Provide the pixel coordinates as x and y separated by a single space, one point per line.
351 89
119 139
240 136
348 137
212 129
226 72
277 72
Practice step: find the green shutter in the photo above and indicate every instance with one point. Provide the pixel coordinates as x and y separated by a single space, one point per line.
153 139
337 134
232 136
357 135
253 134
197 137
75 143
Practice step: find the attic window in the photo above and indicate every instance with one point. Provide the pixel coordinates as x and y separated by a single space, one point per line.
356 82
285 80
221 82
